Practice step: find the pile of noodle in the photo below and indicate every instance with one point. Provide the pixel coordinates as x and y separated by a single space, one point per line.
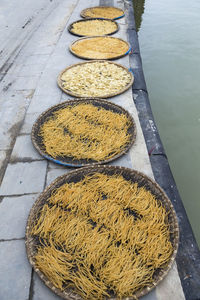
100 47
95 79
94 27
102 236
103 12
84 131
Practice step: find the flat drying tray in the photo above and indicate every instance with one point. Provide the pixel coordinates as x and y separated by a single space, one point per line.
92 53
75 176
71 161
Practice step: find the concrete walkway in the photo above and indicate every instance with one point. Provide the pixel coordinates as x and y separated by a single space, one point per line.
33 57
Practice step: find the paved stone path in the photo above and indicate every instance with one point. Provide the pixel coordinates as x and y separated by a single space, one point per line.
34 53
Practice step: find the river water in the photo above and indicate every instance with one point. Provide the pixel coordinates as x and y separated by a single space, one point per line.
169 36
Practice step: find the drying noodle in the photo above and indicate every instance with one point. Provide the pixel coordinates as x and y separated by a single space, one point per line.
94 27
100 47
85 131
103 12
95 79
103 236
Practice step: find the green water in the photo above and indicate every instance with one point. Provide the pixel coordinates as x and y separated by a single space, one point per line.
169 36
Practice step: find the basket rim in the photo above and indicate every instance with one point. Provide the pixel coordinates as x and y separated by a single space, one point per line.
82 14
59 80
92 19
99 36
87 170
79 163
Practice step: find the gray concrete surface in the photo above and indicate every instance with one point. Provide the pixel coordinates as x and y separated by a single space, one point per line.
13 216
15 271
28 87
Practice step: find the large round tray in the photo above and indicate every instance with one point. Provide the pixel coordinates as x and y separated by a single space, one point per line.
70 161
92 58
89 19
108 95
128 174
84 12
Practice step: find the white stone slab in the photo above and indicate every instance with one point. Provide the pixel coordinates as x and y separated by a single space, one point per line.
15 271
52 174
47 85
41 291
170 287
52 165
123 161
150 296
24 178
28 122
24 149
42 102
120 4
25 83
2 158
65 97
35 59
14 213
12 110
27 71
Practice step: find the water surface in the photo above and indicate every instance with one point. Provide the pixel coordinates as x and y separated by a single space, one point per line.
169 36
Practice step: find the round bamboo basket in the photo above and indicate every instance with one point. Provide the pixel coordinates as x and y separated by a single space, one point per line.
70 27
107 94
119 12
76 176
104 58
71 161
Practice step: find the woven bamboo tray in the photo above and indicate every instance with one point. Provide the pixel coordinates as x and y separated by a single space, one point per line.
107 95
70 161
104 58
70 27
84 12
76 176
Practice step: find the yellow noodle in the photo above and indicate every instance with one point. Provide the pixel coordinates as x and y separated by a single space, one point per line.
100 235
95 79
93 27
100 47
103 12
85 132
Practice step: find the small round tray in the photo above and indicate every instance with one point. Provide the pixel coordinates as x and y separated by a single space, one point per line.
70 27
77 175
103 95
85 12
105 55
71 161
